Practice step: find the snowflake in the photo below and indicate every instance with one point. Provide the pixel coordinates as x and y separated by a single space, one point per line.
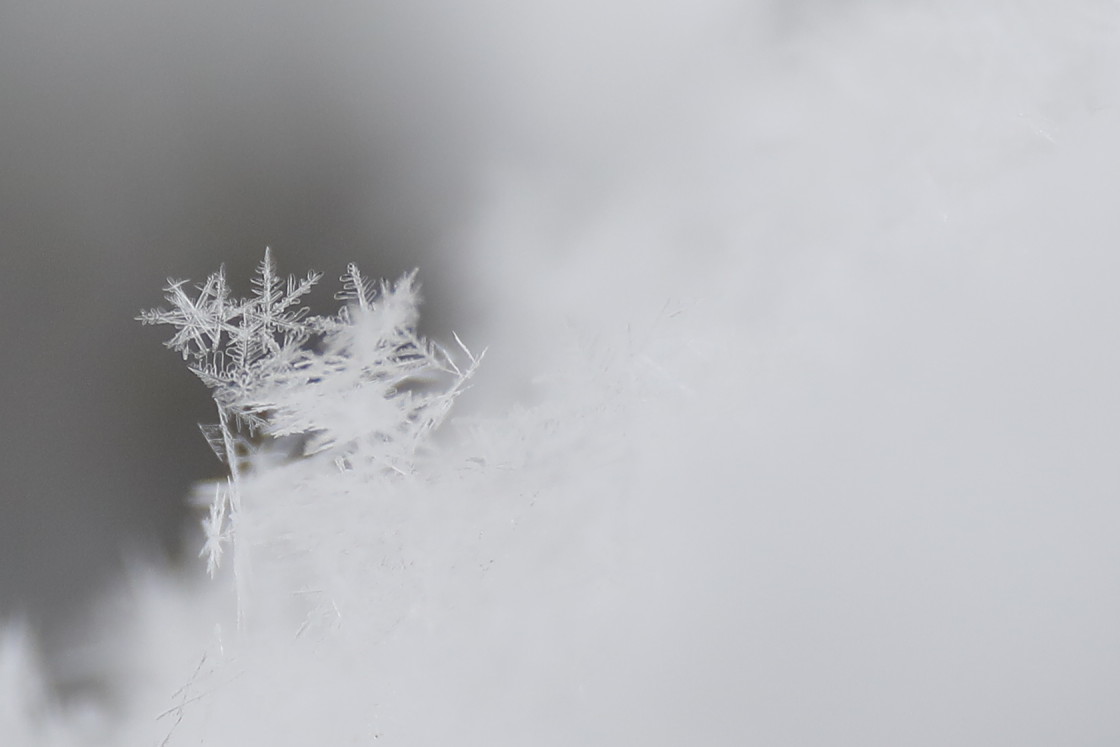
361 385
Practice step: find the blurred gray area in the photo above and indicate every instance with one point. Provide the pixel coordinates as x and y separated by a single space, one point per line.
143 140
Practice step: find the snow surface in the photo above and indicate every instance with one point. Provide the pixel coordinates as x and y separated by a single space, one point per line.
798 424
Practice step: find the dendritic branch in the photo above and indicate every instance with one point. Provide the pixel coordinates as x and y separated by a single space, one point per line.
360 386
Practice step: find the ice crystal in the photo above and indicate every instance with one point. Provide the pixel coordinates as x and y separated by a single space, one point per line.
360 386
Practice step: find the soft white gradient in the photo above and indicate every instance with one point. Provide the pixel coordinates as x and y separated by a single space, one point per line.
798 423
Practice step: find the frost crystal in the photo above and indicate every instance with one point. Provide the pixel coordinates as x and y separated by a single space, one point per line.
358 387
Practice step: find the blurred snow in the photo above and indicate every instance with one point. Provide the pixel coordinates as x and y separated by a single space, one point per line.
799 417
884 515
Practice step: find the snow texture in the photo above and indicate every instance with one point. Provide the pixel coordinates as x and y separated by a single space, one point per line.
798 424
357 389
